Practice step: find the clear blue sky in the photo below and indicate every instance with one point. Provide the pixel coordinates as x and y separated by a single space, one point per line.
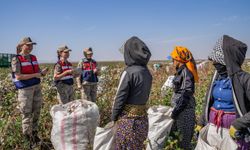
105 25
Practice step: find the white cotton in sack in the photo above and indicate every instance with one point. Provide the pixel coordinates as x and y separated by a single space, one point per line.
74 125
168 84
160 124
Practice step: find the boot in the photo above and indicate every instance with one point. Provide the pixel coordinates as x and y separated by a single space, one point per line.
35 138
28 138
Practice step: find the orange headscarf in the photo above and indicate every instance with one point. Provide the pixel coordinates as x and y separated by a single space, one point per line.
183 55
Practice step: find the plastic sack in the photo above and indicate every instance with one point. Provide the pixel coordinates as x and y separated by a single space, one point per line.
74 125
221 140
105 137
160 124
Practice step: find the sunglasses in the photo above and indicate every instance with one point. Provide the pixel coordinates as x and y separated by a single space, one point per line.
66 52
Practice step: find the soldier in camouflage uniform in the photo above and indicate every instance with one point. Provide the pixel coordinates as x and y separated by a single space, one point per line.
87 82
26 77
63 76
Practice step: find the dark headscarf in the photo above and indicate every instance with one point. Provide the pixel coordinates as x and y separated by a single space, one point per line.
136 52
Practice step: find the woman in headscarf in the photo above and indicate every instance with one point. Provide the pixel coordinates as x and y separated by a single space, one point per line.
129 110
227 103
183 101
26 74
63 76
88 79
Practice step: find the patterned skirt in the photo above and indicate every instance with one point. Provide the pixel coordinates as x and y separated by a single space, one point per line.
132 128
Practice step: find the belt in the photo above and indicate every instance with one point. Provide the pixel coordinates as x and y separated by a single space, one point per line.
135 110
218 116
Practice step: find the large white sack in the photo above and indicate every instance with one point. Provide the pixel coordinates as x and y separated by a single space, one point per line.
105 137
221 142
74 125
160 124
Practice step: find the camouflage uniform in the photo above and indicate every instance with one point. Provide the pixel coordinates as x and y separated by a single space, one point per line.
89 89
30 102
65 92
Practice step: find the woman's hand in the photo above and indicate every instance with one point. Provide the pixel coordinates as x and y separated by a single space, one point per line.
232 131
44 71
69 71
95 71
198 128
38 75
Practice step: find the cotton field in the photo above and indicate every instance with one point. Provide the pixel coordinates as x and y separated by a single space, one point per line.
10 119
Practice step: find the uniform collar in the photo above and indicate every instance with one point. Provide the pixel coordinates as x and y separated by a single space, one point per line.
64 61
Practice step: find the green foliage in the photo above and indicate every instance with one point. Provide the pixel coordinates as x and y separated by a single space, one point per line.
10 117
172 141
